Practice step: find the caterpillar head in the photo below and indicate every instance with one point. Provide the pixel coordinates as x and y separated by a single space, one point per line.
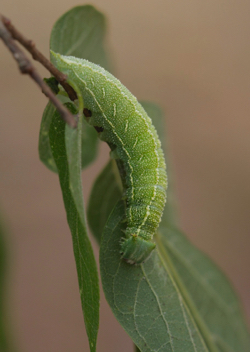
135 250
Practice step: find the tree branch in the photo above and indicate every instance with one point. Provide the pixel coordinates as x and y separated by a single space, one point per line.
38 56
26 67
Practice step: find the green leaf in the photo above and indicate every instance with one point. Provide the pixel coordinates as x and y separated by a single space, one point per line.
44 149
81 32
106 192
4 333
136 349
145 298
66 150
89 139
90 143
53 84
206 288
158 119
3 338
211 306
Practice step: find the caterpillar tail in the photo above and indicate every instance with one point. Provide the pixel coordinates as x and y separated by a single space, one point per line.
135 250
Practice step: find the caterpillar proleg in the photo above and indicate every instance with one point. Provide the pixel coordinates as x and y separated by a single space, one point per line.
122 123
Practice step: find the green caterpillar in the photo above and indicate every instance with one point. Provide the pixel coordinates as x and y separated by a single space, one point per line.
122 122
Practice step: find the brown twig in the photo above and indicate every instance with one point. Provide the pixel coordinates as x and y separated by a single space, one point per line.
26 67
38 56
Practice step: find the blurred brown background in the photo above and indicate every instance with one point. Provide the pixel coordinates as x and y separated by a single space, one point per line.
193 58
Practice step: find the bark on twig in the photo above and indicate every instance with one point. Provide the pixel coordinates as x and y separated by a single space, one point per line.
26 67
38 56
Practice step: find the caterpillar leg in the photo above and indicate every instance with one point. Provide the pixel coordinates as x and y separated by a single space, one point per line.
135 250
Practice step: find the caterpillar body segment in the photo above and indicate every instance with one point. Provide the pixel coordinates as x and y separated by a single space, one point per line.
125 126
